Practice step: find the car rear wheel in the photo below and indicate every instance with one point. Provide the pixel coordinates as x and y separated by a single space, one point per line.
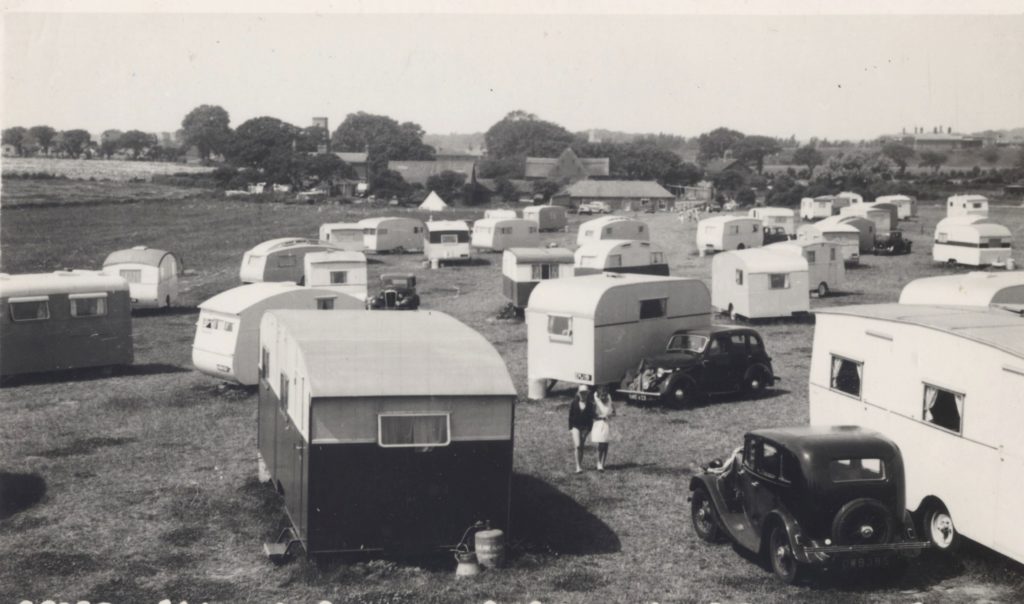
939 528
780 553
704 516
756 380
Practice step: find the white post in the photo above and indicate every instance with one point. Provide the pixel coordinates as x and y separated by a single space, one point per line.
536 389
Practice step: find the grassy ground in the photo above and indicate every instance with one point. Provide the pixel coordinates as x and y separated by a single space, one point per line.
141 486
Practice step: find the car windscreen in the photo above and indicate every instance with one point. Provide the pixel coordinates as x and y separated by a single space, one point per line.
856 469
682 342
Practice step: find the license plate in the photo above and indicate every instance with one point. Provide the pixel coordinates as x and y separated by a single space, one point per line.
645 398
866 562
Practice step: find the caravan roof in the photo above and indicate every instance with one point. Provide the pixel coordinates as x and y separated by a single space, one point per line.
426 353
59 282
771 211
892 198
237 299
721 220
976 288
137 255
962 220
996 328
275 244
837 224
447 225
524 255
580 296
767 260
335 256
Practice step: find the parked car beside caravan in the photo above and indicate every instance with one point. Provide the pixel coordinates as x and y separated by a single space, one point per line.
152 275
397 291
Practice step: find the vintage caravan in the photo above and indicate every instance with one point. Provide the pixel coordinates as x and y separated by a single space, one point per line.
784 218
976 288
846 235
906 206
965 205
522 268
446 240
613 227
972 240
152 275
816 208
592 329
279 259
343 235
944 383
500 213
548 218
227 332
337 270
386 432
759 284
497 234
616 256
397 235
826 270
845 199
881 217
723 233
865 227
64 320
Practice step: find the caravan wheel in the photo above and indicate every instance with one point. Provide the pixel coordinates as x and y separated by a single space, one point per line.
741 246
398 250
951 262
822 289
939 528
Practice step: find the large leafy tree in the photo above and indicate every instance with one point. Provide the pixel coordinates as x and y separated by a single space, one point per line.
713 145
754 149
110 142
520 134
933 160
864 173
899 153
808 156
447 184
390 183
75 142
138 142
208 128
383 138
15 136
43 137
262 143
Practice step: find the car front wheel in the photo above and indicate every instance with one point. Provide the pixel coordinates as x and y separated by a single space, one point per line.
704 516
680 393
780 552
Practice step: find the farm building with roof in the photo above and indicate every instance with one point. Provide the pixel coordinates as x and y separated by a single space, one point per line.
620 194
567 167
418 171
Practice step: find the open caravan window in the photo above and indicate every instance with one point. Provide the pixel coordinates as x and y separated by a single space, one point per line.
943 408
29 309
847 375
414 430
560 328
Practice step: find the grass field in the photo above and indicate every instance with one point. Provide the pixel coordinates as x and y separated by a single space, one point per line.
141 486
108 169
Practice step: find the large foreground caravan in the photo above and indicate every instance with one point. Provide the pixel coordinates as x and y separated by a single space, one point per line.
522 268
965 205
723 233
816 208
592 329
279 259
972 240
976 288
906 206
548 218
64 320
613 227
395 235
498 234
337 270
385 432
826 270
446 240
770 217
760 284
227 332
346 236
944 383
615 256
846 235
152 275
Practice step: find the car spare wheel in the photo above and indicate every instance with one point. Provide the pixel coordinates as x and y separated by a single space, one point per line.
939 529
704 516
862 522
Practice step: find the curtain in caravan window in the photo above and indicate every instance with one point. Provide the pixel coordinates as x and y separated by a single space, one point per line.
413 430
943 408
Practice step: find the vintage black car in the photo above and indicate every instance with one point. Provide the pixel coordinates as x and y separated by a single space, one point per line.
397 292
892 244
810 496
774 235
697 362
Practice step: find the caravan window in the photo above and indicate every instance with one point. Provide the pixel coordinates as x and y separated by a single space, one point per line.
339 277
944 408
588 233
734 229
976 205
265 363
832 253
544 271
284 391
560 328
941 237
779 280
753 228
847 375
286 261
449 238
810 256
325 303
657 258
414 430
739 277
88 305
369 231
30 310
614 261
608 230
533 229
134 275
653 309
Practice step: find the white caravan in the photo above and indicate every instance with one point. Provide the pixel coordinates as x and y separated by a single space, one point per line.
344 235
723 233
279 259
337 270
392 234
846 235
906 205
498 234
882 217
446 240
152 275
944 383
616 256
972 241
592 329
548 218
760 283
522 268
776 217
963 205
500 213
816 208
826 270
613 227
977 288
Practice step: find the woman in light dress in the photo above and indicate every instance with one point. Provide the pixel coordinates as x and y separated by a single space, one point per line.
601 433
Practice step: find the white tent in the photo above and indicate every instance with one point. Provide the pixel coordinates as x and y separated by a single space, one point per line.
433 202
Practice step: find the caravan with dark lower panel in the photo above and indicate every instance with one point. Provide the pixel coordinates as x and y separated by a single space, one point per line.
522 268
616 256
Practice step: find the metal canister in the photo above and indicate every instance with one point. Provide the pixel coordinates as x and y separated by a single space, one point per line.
490 548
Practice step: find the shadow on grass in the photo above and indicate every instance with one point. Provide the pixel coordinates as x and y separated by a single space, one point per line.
860 266
838 294
547 520
170 311
92 373
19 492
85 446
710 400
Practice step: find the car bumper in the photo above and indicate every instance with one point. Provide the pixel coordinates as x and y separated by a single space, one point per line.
860 556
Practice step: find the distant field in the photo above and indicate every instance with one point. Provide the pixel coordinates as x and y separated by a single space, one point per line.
58 192
150 487
82 169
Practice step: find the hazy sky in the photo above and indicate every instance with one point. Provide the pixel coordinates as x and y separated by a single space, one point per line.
835 76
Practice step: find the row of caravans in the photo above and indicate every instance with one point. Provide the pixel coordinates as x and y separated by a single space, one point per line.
900 369
547 217
816 208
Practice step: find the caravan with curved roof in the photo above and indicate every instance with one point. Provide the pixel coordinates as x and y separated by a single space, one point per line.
498 234
279 259
547 217
613 227
152 275
616 256
392 234
723 233
343 235
972 240
977 288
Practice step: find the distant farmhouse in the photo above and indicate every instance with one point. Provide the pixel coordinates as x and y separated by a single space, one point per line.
418 171
567 167
619 194
937 140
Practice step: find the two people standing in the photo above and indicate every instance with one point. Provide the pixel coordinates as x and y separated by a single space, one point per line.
590 414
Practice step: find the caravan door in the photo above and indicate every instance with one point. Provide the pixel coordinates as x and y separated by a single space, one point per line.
1009 539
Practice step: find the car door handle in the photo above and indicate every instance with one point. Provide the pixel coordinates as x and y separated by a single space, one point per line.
755 483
